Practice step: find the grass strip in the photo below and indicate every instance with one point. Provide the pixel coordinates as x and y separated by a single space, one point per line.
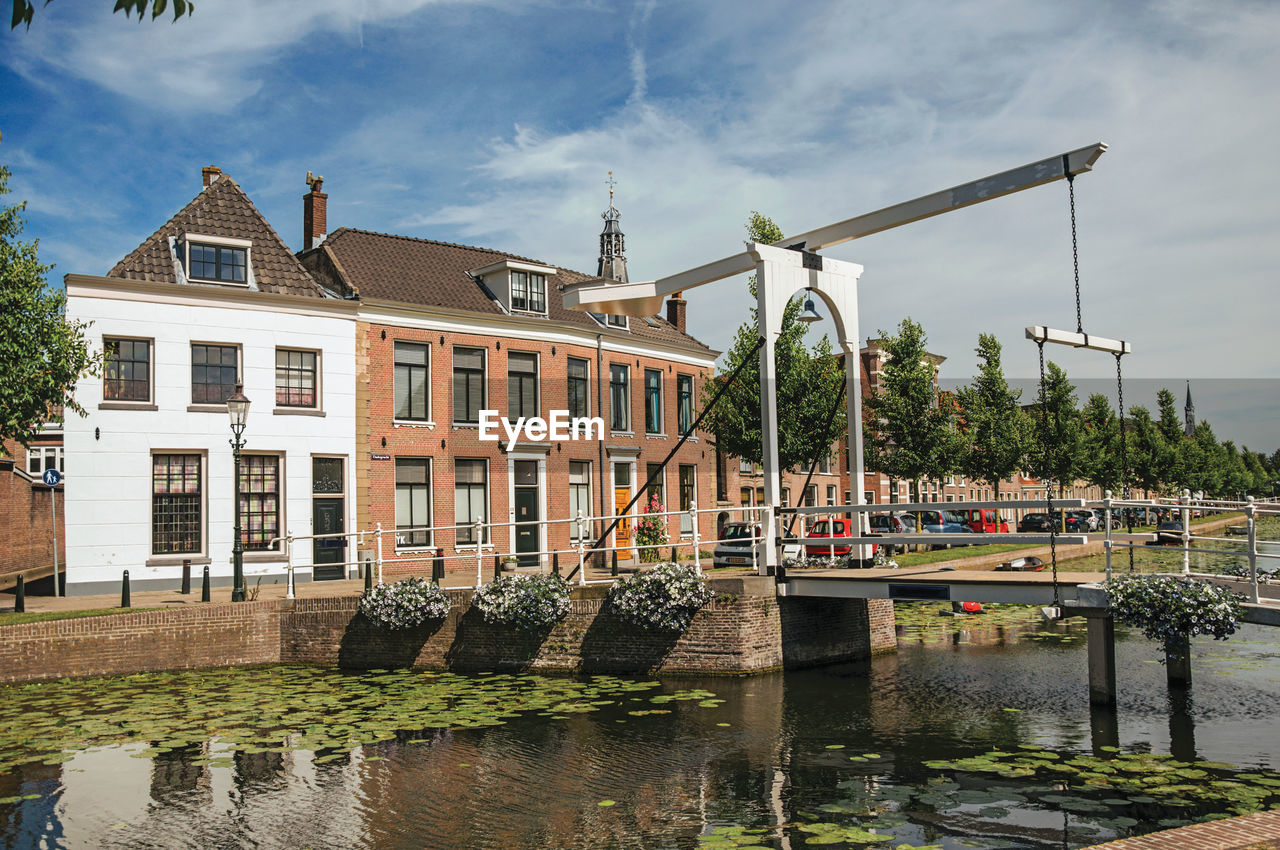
12 619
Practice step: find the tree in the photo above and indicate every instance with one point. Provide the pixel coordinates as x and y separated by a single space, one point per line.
809 382
1146 449
41 353
912 434
1171 427
23 10
1060 453
1101 443
994 426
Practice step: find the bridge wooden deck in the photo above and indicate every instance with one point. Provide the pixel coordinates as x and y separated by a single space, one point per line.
932 583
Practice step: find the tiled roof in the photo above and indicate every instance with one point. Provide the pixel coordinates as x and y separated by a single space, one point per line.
434 274
222 209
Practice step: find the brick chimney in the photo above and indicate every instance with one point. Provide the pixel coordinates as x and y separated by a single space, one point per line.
676 308
210 174
314 207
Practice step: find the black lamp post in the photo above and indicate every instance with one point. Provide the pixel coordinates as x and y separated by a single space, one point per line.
238 409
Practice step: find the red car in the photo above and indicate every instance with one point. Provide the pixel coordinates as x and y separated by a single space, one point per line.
984 521
823 528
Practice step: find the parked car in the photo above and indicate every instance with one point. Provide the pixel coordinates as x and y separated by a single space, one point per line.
738 544
1169 533
829 528
984 521
892 524
1086 520
1035 523
943 522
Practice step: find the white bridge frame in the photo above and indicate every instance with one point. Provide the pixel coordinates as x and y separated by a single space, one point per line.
791 265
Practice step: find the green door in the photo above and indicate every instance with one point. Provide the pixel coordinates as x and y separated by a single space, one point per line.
527 535
328 554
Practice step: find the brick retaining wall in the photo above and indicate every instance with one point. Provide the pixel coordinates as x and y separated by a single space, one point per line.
743 630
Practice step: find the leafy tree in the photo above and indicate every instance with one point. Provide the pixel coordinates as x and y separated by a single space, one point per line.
912 433
1202 462
994 425
1259 481
1101 444
1060 454
809 381
1146 448
23 10
41 353
1171 425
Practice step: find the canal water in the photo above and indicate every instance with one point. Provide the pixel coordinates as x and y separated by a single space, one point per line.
977 732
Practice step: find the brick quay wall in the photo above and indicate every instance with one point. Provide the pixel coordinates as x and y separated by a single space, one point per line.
745 629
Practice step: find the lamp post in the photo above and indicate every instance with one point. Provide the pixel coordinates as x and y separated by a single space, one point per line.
238 410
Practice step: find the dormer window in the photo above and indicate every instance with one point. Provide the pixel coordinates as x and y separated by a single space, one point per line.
528 292
217 259
616 321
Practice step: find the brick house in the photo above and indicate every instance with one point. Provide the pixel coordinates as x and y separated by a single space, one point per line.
26 515
448 335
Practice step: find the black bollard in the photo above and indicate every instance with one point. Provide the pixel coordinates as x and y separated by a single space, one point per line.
497 567
437 567
675 558
613 563
186 576
555 563
124 591
368 577
204 586
20 599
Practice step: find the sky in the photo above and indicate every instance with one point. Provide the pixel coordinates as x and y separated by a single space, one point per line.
495 124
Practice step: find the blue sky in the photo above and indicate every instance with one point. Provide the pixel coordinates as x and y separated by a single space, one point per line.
494 124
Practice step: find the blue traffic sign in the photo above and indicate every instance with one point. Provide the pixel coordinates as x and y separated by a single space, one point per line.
52 477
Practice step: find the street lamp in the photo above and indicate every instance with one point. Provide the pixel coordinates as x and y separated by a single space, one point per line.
238 410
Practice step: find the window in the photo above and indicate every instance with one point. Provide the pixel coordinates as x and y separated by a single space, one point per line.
259 502
214 372
745 467
413 501
811 495
468 384
470 482
579 498
295 378
217 262
578 388
40 458
688 497
528 292
684 403
127 370
824 464
652 401
522 385
786 497
616 321
412 362
656 488
744 497
176 505
619 397
831 494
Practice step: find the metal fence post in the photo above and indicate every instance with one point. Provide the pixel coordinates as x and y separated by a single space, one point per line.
555 564
582 548
437 566
613 562
1251 523
479 533
290 588
186 577
1106 543
378 548
497 567
697 557
1186 532
204 585
124 591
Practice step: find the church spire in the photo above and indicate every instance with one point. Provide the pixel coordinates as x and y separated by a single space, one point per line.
613 251
1189 411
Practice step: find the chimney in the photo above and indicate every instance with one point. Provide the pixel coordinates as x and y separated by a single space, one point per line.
314 206
676 307
210 174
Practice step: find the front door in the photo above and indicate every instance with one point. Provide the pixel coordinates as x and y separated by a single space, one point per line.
621 496
526 504
328 553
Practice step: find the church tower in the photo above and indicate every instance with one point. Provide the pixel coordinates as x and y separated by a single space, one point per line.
613 249
1189 412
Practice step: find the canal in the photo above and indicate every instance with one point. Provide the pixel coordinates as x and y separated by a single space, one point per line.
976 733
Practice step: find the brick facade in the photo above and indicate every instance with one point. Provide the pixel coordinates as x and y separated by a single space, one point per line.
745 629
26 523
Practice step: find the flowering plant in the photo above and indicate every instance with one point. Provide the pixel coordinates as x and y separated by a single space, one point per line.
406 604
651 531
1171 609
665 597
525 601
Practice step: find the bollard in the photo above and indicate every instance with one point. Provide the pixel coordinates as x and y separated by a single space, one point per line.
368 578
204 585
437 566
186 576
675 557
497 567
20 597
613 563
555 564
124 591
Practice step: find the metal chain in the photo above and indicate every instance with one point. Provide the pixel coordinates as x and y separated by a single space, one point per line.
1075 253
1048 466
1124 454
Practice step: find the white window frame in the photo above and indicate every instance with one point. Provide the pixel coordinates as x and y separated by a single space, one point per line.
222 242
149 402
39 454
153 558
430 418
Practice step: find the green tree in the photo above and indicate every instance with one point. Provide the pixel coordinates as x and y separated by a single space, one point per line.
1101 444
911 430
24 10
809 382
1171 426
1146 448
1259 482
41 353
1202 462
994 425
1059 455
